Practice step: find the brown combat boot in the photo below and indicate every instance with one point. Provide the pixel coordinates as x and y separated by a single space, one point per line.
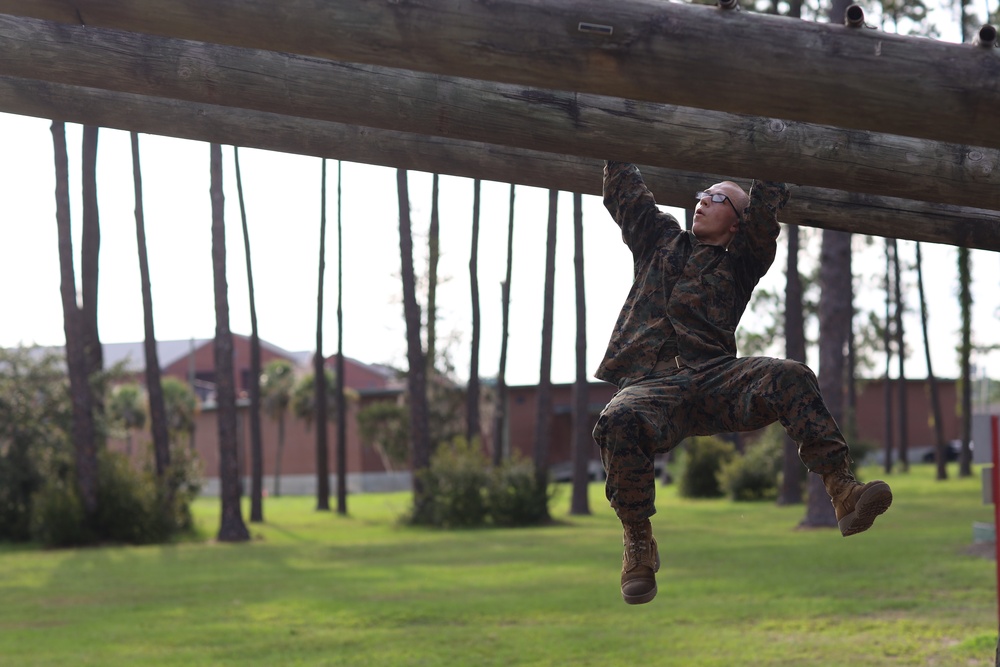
639 563
856 505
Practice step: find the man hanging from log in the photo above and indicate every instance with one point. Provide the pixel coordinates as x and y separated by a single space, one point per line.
672 355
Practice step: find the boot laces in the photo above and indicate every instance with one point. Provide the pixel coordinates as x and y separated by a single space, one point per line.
846 476
638 540
843 480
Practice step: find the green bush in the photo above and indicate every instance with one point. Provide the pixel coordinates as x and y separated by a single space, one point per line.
183 479
20 479
513 495
705 456
454 487
461 490
128 503
38 493
35 421
57 518
754 476
133 506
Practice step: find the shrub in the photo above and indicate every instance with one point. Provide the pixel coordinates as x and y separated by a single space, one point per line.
35 420
57 518
20 479
754 476
513 495
132 504
183 479
461 490
705 456
453 487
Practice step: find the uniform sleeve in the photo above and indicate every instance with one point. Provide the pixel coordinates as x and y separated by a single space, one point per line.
756 241
633 208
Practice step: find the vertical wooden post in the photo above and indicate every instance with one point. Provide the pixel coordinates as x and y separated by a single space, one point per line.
995 428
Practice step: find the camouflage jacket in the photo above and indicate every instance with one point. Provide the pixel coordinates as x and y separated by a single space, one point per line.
687 297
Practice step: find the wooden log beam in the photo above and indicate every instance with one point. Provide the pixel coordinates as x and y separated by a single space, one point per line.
554 121
816 207
672 53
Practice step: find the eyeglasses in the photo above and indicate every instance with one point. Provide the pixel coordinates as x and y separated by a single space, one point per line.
718 198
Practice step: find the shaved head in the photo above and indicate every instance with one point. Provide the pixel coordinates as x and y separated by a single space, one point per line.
735 193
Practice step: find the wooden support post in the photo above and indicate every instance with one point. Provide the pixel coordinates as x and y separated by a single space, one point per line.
667 52
995 450
548 120
816 207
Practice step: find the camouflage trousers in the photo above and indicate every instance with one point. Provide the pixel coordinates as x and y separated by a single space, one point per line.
652 415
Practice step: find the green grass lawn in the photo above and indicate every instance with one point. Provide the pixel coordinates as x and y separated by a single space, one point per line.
739 586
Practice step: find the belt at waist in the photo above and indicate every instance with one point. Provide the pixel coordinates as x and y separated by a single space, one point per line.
664 364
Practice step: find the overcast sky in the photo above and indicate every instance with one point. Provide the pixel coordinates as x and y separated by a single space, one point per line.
283 208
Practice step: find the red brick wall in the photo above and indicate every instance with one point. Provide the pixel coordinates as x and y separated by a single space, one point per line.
871 411
523 418
299 455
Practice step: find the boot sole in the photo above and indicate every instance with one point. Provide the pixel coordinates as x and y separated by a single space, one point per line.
873 502
640 599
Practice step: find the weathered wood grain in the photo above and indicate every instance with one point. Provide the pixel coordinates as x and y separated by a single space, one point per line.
817 207
672 53
555 121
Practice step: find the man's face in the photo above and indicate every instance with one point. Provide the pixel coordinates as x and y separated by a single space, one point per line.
716 223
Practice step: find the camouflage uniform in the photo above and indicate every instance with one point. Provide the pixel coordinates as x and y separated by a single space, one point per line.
673 350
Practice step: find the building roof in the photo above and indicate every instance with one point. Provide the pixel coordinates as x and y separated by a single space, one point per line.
133 354
360 375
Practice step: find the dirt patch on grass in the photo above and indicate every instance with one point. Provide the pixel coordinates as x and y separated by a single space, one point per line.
986 550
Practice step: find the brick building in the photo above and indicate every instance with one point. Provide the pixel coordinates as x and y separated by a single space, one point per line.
370 383
194 361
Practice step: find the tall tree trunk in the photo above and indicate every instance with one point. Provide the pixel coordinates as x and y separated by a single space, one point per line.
278 456
965 20
472 426
154 387
795 348
904 459
965 301
90 249
319 369
433 257
417 377
583 441
887 343
792 470
834 328
341 399
84 430
256 444
940 443
543 423
231 528
850 426
500 419
847 415
965 350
